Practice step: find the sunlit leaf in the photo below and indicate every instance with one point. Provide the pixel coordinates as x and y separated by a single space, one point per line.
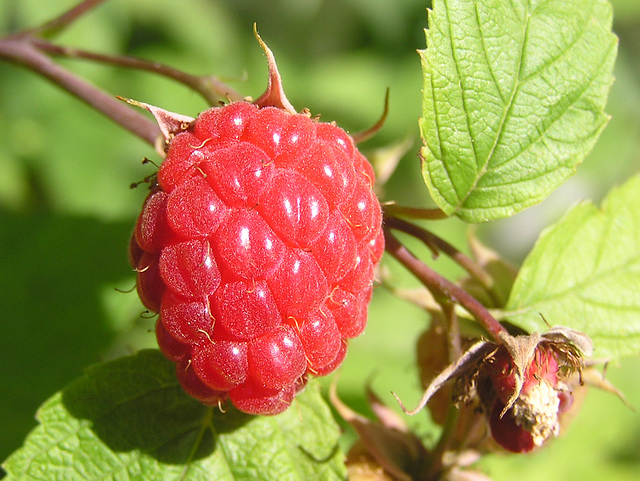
584 273
129 419
513 99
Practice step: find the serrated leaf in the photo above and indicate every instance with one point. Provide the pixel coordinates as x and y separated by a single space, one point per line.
584 273
129 419
513 99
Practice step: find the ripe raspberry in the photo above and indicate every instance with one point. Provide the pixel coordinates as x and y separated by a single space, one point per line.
257 247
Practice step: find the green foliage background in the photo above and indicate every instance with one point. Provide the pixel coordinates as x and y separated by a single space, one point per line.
66 209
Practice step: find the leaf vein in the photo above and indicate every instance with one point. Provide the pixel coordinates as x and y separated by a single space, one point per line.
576 288
505 116
486 56
437 129
460 77
572 105
543 133
583 30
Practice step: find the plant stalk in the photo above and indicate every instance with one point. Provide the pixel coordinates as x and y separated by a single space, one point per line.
392 209
208 86
23 53
441 286
437 244
61 22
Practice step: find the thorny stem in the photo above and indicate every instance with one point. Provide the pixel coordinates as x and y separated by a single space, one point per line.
454 350
437 245
438 285
209 87
24 53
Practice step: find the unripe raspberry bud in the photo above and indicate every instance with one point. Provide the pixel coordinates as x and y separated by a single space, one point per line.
522 423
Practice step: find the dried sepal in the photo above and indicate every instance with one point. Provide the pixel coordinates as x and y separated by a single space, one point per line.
522 350
565 335
359 137
274 96
170 123
595 378
467 362
387 443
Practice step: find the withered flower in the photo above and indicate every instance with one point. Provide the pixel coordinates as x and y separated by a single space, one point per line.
524 382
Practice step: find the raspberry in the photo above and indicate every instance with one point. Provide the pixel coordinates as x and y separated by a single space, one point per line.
533 416
257 247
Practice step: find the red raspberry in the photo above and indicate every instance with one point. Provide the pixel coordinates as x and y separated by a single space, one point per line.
257 247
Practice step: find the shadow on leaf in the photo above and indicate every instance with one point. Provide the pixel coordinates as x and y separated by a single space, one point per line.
136 403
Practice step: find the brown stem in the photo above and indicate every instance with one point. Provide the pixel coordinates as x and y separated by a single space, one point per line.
211 89
441 286
436 457
454 345
26 49
59 23
437 244
22 52
414 212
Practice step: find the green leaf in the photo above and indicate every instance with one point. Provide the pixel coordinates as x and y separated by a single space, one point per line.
129 419
584 273
513 99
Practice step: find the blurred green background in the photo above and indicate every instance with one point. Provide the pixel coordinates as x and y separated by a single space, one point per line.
66 209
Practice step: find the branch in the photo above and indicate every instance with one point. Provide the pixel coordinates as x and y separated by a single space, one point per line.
208 86
59 23
21 52
439 285
28 49
437 244
454 344
392 209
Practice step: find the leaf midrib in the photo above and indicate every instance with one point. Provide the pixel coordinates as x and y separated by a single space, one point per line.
507 108
485 168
